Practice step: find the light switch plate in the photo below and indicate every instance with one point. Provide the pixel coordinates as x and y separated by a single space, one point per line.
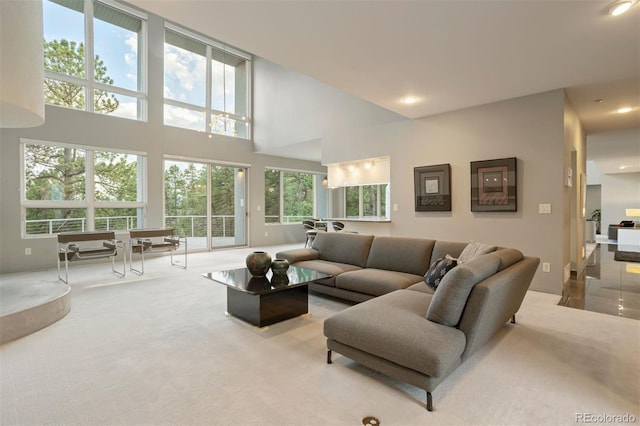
544 208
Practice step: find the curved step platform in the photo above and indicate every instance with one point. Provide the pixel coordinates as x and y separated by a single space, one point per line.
28 307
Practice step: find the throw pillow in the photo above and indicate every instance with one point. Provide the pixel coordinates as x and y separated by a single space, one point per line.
438 270
474 249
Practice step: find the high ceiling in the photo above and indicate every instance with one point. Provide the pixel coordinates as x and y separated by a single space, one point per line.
450 54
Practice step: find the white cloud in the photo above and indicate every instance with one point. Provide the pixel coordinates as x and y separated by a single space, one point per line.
132 42
126 110
184 74
184 118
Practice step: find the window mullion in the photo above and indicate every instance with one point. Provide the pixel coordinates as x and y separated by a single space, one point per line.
88 55
360 202
281 195
90 189
208 88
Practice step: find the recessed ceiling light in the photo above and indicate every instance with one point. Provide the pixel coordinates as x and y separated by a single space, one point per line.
620 7
624 110
623 167
410 100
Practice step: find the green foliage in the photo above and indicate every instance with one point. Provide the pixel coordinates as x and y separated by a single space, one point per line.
272 196
54 173
186 195
59 174
298 194
68 58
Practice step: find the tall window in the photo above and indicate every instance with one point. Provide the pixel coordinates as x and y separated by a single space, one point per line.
94 57
366 201
291 196
206 85
73 188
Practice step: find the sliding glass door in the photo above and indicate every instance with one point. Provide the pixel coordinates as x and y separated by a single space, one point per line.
206 203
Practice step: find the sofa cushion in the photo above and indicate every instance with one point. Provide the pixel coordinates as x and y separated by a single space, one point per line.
343 247
508 257
443 248
298 255
473 250
411 255
438 270
451 296
375 281
332 268
393 327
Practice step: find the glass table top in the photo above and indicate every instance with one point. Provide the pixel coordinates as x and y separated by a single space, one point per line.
242 280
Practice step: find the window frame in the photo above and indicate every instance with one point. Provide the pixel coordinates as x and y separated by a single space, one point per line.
88 83
90 204
208 109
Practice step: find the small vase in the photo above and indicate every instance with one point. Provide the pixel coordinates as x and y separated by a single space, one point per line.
258 263
279 267
279 280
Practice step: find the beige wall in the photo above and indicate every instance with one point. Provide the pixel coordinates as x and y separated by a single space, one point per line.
530 128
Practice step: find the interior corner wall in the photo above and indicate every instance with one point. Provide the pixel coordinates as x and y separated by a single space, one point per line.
575 151
529 128
290 108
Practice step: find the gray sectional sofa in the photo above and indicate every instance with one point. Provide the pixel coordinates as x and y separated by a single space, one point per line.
403 328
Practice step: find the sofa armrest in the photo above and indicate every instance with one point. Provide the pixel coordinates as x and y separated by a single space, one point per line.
298 255
494 301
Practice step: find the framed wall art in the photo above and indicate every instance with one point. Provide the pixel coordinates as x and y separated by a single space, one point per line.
494 186
432 187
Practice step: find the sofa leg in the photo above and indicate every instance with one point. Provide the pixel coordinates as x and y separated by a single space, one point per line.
429 402
513 319
329 357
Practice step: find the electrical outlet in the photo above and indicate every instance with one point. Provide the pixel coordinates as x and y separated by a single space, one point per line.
395 207
266 234
546 267
27 251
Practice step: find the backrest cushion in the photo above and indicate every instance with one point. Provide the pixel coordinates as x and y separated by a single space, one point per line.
450 297
410 255
443 248
508 257
475 249
343 247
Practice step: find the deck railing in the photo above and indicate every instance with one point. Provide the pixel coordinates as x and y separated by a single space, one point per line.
186 225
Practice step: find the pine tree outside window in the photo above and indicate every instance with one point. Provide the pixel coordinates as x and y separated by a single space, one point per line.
76 188
93 57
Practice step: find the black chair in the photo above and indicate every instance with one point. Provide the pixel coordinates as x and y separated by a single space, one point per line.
337 226
310 230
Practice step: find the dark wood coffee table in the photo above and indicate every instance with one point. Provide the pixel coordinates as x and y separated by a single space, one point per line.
262 301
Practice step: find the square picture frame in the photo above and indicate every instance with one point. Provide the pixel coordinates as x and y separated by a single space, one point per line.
432 188
494 185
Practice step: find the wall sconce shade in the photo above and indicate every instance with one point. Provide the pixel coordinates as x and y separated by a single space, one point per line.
325 181
21 64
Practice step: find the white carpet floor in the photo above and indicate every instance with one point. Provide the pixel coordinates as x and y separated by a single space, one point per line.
159 350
